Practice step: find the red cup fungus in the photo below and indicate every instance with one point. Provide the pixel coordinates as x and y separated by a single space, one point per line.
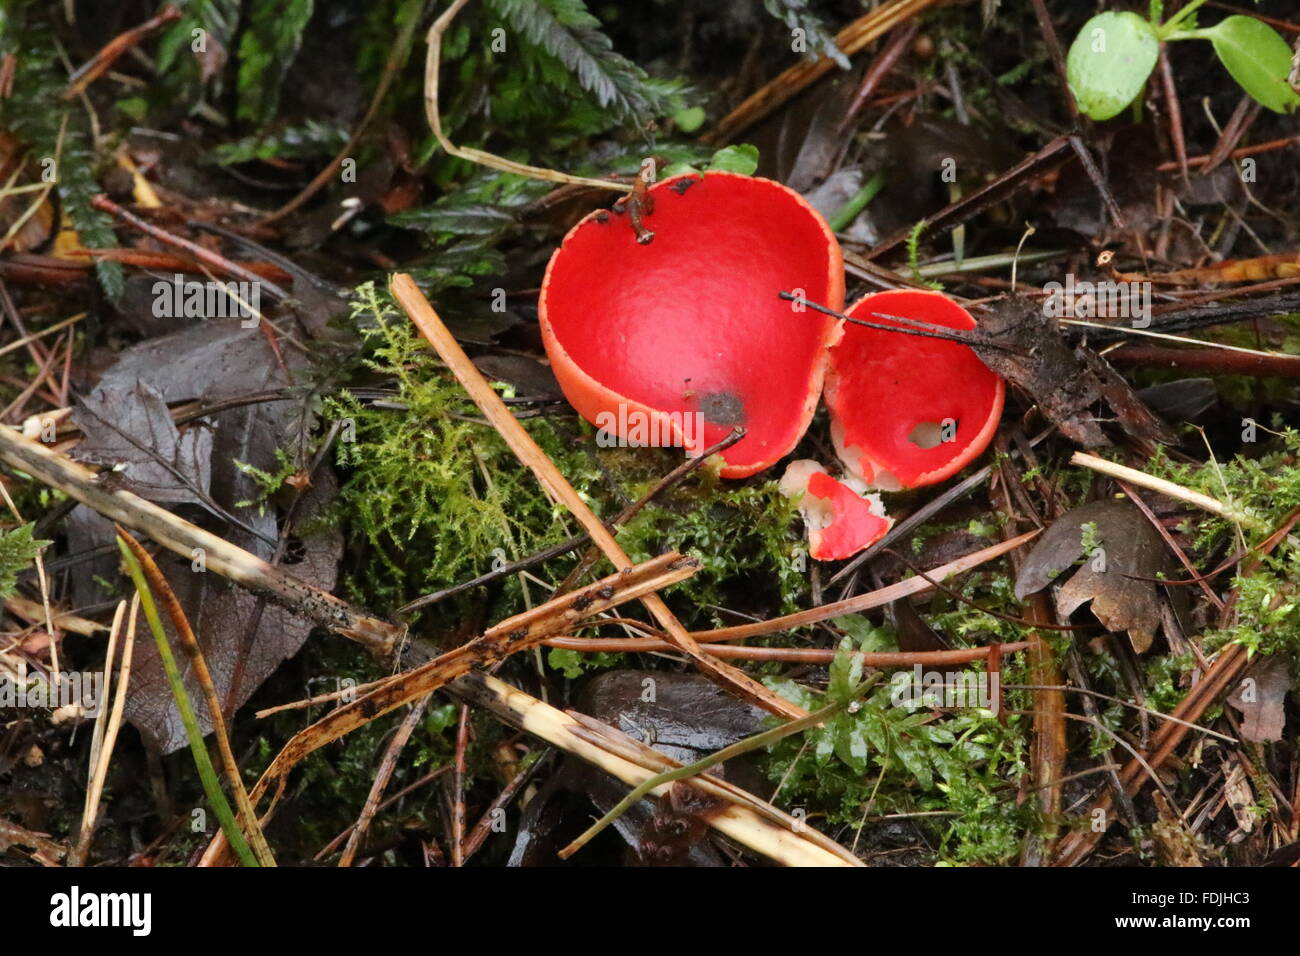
678 340
841 520
907 410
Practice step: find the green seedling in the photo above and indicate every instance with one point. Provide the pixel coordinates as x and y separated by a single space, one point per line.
1114 54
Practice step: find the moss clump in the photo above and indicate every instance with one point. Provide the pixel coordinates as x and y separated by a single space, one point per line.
889 757
433 496
1264 484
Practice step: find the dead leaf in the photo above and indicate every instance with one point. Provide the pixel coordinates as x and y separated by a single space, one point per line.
244 638
685 716
34 210
1182 400
531 378
1261 696
1239 797
129 429
1065 381
1129 549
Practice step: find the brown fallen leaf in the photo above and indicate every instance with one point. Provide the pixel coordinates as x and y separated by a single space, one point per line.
28 215
1128 551
1260 697
684 716
244 638
1239 798
129 429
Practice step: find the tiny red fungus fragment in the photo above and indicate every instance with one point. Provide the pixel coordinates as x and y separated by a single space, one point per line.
678 340
906 410
840 520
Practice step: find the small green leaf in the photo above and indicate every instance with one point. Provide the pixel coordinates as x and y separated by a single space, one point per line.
1258 59
678 169
18 550
850 743
845 672
916 763
1109 63
741 159
689 119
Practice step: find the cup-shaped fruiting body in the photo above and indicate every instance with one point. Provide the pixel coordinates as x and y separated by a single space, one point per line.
908 410
678 340
840 519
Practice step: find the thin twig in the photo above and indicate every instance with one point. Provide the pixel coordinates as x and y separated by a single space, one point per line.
796 655
669 480
100 63
510 636
104 737
239 839
386 768
674 477
401 45
1164 487
206 256
862 602
186 539
755 742
852 39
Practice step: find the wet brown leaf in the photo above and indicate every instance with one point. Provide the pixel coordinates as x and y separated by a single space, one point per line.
129 430
244 638
1261 696
685 716
1111 577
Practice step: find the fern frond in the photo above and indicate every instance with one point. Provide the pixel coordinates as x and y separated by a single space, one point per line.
269 44
566 30
796 15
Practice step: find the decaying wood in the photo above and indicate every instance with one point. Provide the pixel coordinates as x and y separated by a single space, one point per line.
412 300
1064 380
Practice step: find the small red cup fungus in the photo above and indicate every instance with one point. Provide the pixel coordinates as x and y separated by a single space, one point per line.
678 340
841 520
907 410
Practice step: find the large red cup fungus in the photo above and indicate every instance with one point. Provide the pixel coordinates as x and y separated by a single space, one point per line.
643 336
840 520
907 410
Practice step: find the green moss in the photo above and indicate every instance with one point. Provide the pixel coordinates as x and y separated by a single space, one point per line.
435 497
1262 481
897 758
